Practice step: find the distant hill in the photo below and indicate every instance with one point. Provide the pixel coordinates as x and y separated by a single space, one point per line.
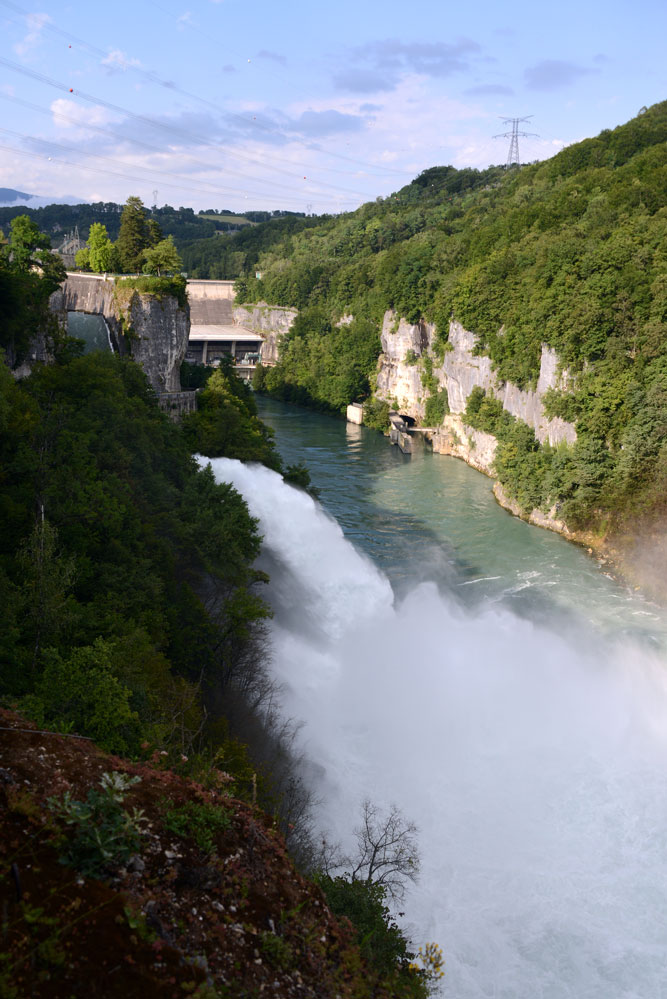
8 196
210 232
11 198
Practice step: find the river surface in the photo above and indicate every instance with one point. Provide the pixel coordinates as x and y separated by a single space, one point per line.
490 680
92 330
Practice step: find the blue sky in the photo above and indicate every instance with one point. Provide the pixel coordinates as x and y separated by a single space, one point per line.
302 106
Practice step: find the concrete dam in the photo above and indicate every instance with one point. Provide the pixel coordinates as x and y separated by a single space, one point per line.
160 334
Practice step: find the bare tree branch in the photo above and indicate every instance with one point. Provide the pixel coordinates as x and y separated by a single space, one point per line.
387 851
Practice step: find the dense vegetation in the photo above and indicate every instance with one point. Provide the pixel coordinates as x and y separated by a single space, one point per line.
24 293
226 257
132 614
131 611
181 223
195 233
569 252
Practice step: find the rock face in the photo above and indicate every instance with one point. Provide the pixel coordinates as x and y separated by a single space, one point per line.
460 372
400 380
150 328
158 338
270 321
456 438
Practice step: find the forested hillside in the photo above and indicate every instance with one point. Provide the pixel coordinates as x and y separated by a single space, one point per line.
133 621
570 252
183 224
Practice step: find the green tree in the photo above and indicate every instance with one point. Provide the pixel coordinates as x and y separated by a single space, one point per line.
162 257
134 235
102 251
29 248
26 243
82 259
81 693
47 576
29 273
155 234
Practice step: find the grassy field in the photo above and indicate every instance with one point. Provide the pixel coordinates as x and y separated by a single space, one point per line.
233 219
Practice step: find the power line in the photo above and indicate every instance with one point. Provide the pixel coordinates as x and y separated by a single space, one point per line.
253 122
513 136
185 186
183 134
187 182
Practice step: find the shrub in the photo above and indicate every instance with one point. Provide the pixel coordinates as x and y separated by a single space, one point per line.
379 938
437 406
80 693
200 821
101 834
376 414
149 284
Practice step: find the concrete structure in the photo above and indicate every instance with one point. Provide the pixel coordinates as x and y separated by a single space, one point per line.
355 413
70 246
177 404
160 335
214 330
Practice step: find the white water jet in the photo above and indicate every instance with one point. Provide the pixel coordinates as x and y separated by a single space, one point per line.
536 771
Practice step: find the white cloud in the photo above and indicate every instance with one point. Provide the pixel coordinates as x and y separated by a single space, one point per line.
117 60
69 115
35 24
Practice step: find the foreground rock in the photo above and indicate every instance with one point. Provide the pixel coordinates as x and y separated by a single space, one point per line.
221 912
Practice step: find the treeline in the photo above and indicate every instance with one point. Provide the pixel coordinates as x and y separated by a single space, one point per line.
131 609
57 220
226 257
569 252
183 224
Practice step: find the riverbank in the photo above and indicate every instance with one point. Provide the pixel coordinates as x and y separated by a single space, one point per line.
635 561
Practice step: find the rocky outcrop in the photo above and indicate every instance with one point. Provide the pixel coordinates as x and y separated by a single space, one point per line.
478 449
549 520
270 321
152 329
401 365
156 331
207 905
456 438
460 372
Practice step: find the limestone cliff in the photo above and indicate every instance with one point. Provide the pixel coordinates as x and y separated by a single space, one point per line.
155 329
152 329
270 321
400 379
460 372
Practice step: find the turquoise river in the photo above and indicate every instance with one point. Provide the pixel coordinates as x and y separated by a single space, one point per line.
494 683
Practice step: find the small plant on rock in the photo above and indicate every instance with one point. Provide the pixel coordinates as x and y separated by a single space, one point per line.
200 821
101 833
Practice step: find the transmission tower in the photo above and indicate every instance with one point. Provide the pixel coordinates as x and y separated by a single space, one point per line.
513 136
155 194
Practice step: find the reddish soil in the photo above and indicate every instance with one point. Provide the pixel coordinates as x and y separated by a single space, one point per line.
236 921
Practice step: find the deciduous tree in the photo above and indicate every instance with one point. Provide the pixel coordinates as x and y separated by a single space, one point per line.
103 254
162 257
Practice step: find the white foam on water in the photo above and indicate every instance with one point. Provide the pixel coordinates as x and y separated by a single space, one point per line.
535 769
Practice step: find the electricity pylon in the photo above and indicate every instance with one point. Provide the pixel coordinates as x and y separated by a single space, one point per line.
513 136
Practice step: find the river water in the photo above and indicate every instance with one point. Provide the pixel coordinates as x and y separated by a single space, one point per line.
490 680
